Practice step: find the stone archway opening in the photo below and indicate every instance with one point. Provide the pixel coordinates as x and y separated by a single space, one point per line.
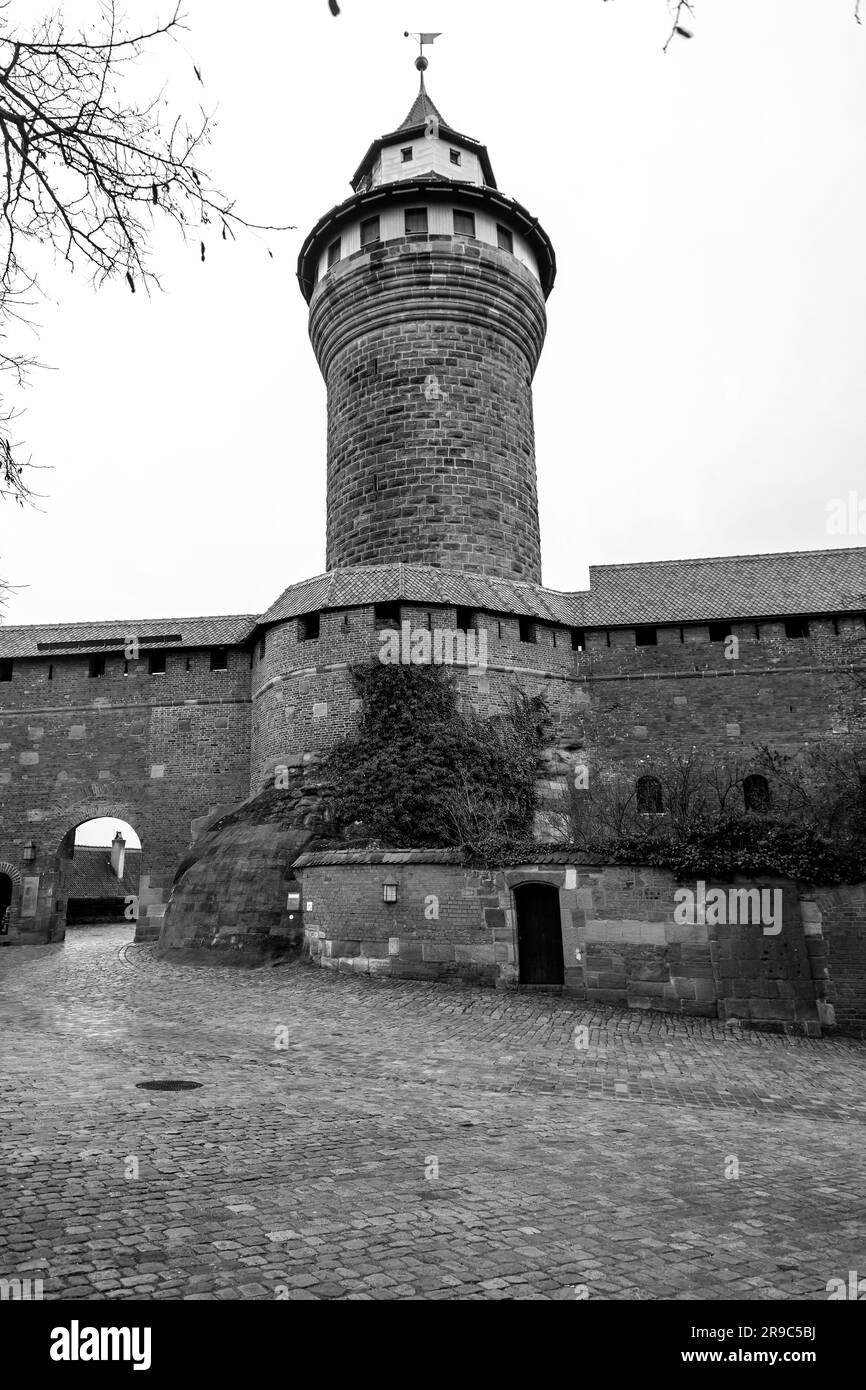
98 874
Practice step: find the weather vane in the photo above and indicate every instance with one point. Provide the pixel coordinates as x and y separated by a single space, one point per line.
421 61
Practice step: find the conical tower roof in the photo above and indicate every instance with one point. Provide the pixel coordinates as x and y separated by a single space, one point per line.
421 110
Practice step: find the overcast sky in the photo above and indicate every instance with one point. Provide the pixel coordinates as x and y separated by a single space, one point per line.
702 387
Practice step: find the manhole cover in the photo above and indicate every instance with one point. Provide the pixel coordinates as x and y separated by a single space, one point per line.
168 1085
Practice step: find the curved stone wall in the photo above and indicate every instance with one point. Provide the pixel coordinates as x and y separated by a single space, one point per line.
304 699
428 346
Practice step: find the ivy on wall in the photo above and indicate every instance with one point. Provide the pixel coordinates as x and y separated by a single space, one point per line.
422 772
811 825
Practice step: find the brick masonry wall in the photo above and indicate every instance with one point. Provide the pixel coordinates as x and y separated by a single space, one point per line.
835 924
156 751
621 703
160 751
622 944
428 347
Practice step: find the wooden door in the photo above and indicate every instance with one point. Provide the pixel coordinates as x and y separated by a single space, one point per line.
539 934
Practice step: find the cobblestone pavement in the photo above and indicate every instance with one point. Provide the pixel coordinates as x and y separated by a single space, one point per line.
299 1170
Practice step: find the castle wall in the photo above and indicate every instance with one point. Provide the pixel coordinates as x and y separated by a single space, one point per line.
154 750
621 941
835 924
621 702
162 750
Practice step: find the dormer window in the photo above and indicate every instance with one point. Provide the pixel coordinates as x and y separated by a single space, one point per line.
455 157
406 155
416 220
334 252
504 239
464 223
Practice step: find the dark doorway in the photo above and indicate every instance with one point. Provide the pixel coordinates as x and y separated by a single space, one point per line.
6 887
539 934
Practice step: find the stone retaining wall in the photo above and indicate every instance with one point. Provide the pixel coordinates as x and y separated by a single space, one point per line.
621 941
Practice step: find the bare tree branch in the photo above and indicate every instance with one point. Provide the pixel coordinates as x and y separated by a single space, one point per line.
87 171
677 7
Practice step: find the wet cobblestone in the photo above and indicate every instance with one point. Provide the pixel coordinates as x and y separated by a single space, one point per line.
567 1161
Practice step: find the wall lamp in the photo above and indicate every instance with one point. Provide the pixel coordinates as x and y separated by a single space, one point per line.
29 852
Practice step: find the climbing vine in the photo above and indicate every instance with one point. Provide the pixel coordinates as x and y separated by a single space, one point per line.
422 772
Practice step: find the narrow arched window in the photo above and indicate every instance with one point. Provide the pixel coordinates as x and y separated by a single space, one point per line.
649 794
756 792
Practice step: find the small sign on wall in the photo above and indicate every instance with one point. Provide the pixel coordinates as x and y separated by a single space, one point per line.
29 895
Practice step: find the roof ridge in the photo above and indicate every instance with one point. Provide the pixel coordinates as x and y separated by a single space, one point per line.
717 559
116 622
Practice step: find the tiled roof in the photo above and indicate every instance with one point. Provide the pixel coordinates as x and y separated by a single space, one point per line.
318 858
72 639
360 585
655 591
334 858
666 591
728 586
91 875
422 109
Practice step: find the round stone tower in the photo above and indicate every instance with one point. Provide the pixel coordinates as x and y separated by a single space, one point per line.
427 291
